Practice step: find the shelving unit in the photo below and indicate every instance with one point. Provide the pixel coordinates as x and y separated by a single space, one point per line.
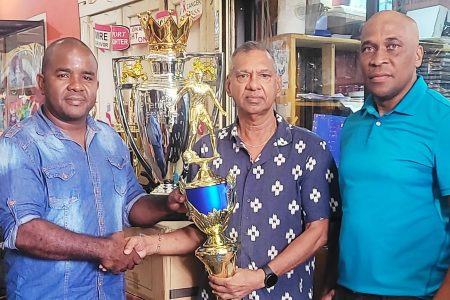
289 43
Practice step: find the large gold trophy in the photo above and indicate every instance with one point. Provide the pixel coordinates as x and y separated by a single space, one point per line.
169 106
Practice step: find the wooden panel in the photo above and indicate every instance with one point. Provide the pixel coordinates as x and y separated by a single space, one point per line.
328 67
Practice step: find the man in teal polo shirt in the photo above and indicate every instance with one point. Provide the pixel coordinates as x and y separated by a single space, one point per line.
395 174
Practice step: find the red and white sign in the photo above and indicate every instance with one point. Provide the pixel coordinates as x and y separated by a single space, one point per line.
114 37
137 35
120 39
102 38
194 7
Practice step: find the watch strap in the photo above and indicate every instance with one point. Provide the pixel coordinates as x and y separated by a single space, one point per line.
267 270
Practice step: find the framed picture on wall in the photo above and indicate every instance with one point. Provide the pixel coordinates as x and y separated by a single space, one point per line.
23 65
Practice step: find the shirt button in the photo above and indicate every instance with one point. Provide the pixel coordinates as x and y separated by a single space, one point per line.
378 123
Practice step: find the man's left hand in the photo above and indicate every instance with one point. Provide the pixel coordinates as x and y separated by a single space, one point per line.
242 283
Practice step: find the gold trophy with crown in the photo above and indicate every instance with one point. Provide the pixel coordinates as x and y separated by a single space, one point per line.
169 105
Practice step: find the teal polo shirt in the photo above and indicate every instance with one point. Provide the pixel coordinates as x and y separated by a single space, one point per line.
394 170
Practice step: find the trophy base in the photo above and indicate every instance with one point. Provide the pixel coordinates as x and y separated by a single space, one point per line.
219 261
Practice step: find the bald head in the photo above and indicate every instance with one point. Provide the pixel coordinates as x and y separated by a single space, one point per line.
392 18
390 54
64 42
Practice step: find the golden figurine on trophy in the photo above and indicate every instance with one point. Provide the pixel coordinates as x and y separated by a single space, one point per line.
169 108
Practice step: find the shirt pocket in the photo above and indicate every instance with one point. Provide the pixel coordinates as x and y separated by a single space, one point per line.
119 172
62 185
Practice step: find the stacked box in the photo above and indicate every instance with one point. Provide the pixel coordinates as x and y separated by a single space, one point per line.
163 277
435 68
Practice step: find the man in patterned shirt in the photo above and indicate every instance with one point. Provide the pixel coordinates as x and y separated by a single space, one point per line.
284 185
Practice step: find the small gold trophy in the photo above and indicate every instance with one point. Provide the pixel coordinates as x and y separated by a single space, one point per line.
211 199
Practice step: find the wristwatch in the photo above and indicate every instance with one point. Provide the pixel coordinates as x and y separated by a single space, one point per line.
271 278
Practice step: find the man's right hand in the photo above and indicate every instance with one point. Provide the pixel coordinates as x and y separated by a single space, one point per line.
176 200
113 259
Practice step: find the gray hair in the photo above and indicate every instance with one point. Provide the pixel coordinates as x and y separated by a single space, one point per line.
253 45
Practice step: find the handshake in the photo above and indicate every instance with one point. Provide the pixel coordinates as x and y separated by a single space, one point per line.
123 253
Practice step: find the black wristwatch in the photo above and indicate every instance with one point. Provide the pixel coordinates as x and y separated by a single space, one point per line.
271 278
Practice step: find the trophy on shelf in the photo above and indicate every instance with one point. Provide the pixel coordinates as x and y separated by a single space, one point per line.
160 110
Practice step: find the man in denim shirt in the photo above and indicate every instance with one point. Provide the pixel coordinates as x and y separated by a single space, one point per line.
68 189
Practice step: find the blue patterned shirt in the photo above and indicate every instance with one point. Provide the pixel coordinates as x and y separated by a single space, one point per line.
286 187
45 174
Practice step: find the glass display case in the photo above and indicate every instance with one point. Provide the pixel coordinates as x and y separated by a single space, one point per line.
22 45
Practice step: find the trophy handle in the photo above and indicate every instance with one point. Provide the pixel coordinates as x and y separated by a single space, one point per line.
220 75
123 118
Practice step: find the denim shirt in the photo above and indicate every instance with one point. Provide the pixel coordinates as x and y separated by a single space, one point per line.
45 174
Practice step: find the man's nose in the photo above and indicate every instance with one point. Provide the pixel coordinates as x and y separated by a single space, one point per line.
253 82
379 57
75 83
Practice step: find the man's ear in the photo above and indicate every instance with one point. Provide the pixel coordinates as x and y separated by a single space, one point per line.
419 56
41 82
227 85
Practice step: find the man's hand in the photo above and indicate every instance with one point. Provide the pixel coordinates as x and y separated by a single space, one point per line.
143 244
114 259
329 295
242 283
176 200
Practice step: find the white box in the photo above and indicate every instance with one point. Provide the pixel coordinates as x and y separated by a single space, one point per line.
291 16
430 20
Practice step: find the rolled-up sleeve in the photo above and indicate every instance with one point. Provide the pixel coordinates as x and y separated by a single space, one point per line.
21 193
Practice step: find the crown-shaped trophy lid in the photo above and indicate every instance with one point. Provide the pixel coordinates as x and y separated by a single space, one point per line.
164 33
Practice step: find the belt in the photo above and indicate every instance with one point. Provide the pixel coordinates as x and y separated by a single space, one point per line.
343 293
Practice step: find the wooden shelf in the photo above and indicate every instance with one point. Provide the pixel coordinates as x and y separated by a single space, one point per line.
328 47
322 103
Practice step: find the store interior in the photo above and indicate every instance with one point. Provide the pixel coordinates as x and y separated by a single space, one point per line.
314 42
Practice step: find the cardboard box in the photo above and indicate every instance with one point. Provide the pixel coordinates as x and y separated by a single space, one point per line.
163 277
407 5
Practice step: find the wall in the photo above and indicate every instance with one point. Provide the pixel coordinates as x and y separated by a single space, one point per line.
62 15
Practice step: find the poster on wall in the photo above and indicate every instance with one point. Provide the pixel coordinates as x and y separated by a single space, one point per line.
280 53
23 64
21 94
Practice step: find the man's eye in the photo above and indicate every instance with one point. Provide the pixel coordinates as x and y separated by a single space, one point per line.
265 76
63 75
392 46
242 77
366 49
89 78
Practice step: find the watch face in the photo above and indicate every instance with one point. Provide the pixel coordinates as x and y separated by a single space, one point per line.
271 280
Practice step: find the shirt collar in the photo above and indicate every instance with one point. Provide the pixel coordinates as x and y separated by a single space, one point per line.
407 106
46 127
283 133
